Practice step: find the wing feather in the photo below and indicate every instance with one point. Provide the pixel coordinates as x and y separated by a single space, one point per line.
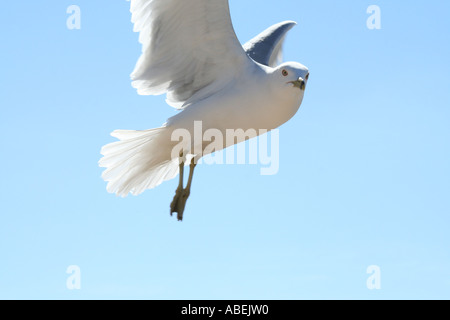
188 48
266 47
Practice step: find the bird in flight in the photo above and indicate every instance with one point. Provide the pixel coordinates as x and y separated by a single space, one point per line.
190 52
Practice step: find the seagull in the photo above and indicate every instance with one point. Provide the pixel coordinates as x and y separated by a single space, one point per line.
190 52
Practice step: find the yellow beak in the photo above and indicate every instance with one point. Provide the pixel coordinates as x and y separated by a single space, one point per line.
299 83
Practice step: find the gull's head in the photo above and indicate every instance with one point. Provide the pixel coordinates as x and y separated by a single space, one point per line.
288 83
292 76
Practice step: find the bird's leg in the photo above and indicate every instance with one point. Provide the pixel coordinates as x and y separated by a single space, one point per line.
187 191
191 174
181 195
174 206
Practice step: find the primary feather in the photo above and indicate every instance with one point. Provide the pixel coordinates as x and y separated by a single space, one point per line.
180 41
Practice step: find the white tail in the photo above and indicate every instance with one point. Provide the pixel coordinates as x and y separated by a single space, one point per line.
140 160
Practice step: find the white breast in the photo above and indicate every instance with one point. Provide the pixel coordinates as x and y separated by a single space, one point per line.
247 105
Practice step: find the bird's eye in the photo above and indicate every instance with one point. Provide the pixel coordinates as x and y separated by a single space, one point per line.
307 77
284 73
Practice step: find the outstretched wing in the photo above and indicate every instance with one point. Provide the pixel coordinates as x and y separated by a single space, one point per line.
266 47
189 48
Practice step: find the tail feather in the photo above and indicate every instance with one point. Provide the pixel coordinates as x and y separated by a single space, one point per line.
130 134
140 160
166 171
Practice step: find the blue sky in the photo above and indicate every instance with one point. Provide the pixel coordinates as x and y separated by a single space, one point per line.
364 165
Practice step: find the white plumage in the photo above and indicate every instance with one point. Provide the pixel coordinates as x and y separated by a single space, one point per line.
189 48
190 52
